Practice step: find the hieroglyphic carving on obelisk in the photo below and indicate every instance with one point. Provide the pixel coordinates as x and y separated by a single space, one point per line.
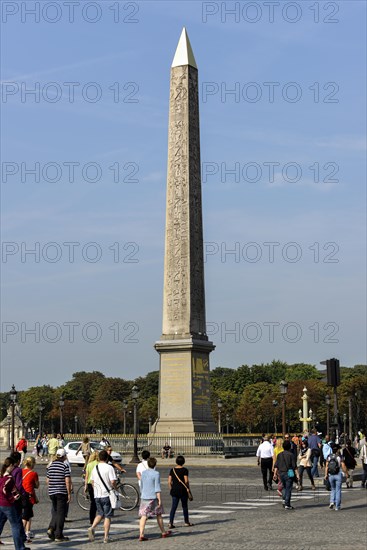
184 393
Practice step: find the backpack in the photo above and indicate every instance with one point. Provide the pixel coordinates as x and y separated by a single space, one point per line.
333 467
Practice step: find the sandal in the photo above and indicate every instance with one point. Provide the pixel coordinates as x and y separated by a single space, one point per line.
166 534
171 526
142 538
189 524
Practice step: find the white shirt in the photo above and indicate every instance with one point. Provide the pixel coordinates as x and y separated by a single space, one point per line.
265 450
141 467
108 475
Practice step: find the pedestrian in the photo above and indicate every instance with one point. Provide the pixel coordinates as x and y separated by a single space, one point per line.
287 437
103 479
349 457
150 503
88 486
16 474
167 450
278 449
143 465
59 491
86 450
178 483
22 447
38 445
104 442
30 483
52 446
44 442
305 464
286 467
333 471
265 455
314 443
8 496
363 457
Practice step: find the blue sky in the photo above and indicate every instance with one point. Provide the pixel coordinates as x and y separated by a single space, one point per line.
294 289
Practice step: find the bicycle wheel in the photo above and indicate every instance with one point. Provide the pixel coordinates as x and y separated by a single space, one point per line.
82 498
129 497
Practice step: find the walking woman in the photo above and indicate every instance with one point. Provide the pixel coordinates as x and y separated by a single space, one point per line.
178 483
86 450
8 496
335 467
305 464
88 486
151 503
30 482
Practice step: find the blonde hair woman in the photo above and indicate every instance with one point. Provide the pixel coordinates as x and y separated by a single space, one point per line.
30 482
277 450
88 487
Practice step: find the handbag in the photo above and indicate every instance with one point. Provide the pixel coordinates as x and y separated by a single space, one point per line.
189 493
327 484
290 472
31 496
114 496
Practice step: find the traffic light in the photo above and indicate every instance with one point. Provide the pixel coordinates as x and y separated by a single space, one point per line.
332 371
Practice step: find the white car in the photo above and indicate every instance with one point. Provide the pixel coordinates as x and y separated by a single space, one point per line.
72 447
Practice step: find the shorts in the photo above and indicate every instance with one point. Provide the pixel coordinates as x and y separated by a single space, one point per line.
104 507
27 511
150 508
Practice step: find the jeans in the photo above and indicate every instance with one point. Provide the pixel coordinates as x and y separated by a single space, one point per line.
10 513
301 469
364 474
93 507
58 514
314 470
336 489
287 488
175 501
267 471
19 511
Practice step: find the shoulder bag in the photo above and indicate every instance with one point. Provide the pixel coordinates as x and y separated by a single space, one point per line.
114 496
189 493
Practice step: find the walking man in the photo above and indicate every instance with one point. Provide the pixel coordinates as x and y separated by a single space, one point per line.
59 490
286 466
265 453
314 443
103 479
363 457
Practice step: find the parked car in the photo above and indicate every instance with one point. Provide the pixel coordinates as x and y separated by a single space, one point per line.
72 447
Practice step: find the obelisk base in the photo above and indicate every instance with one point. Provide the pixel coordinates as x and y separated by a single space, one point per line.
184 390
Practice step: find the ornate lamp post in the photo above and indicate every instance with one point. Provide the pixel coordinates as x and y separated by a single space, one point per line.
283 393
350 430
305 416
124 407
275 404
227 423
41 408
8 418
61 405
76 423
327 402
135 395
219 405
13 400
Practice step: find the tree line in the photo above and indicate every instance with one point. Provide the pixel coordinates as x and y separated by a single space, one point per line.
249 395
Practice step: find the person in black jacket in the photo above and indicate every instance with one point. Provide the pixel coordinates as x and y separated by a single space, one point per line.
286 466
178 483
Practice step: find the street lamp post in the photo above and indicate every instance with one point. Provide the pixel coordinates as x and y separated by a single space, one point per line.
9 426
327 401
227 423
275 404
219 405
76 423
61 405
41 408
345 424
150 424
283 393
350 430
135 395
124 407
13 400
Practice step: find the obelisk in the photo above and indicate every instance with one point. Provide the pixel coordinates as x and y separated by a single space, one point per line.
184 389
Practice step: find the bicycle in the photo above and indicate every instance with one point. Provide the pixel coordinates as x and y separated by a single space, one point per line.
129 496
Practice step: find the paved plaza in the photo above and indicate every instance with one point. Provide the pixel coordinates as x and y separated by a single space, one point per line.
230 510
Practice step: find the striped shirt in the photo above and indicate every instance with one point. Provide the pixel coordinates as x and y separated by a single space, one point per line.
57 471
